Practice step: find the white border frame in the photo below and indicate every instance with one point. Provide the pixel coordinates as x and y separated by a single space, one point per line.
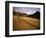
11 32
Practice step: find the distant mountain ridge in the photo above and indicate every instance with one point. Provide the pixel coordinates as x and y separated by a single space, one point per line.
35 15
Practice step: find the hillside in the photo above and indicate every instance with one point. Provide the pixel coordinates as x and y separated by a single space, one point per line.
35 15
25 23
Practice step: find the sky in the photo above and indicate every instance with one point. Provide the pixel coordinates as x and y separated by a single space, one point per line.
27 10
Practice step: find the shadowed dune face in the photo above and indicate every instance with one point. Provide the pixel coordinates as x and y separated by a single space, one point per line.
25 23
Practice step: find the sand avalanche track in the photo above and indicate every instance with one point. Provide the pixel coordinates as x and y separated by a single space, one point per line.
25 23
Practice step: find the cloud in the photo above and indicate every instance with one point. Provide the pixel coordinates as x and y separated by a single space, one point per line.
26 10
